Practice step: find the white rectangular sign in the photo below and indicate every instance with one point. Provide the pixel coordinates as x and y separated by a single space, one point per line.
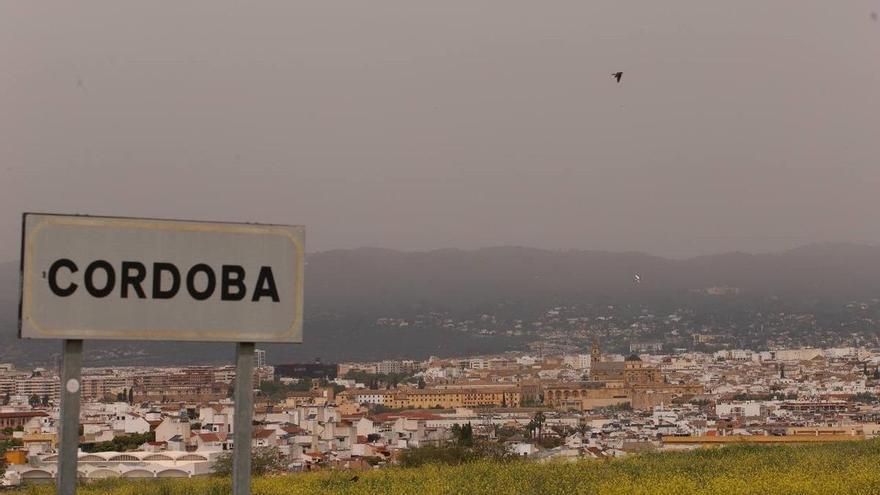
140 279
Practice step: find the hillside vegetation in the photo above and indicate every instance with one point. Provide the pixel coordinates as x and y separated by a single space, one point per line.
842 468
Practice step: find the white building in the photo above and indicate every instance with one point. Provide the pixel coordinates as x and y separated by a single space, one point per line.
378 397
743 409
577 361
804 354
130 423
139 464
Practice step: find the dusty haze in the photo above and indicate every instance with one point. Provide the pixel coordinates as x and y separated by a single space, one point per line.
748 125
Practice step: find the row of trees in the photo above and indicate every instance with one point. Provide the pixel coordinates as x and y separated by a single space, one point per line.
127 395
121 443
376 381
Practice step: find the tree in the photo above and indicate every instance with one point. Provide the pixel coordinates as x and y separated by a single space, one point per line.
421 383
538 422
121 443
131 396
264 460
463 435
550 442
34 400
494 451
44 400
2 459
583 429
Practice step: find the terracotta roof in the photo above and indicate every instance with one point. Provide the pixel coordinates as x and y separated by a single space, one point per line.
209 437
23 414
263 433
406 414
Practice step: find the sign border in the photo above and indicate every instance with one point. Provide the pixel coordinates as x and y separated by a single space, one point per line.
295 233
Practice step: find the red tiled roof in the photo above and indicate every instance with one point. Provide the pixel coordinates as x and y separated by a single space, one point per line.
263 433
406 414
23 414
209 437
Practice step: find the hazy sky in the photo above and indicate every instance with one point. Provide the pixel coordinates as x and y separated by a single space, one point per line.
749 124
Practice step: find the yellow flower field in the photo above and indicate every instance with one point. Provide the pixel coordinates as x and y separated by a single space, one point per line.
840 468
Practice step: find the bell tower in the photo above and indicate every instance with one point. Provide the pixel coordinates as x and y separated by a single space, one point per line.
595 353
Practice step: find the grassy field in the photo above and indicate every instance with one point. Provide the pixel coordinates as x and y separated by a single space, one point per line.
840 468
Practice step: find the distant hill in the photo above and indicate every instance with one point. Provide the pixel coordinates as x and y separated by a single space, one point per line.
377 279
347 289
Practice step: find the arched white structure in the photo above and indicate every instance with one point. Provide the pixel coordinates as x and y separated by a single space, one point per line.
172 473
192 457
123 458
36 474
90 458
158 457
134 464
138 473
102 473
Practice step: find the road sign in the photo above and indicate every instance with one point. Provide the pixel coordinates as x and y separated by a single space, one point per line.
89 277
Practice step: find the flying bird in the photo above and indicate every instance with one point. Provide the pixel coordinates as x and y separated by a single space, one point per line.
637 278
617 75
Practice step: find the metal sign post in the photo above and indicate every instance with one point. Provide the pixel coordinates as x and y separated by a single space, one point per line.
69 421
114 278
244 410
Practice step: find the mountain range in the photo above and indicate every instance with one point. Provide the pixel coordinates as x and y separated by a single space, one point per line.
346 290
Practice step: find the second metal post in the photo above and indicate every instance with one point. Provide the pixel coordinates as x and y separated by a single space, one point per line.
244 410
